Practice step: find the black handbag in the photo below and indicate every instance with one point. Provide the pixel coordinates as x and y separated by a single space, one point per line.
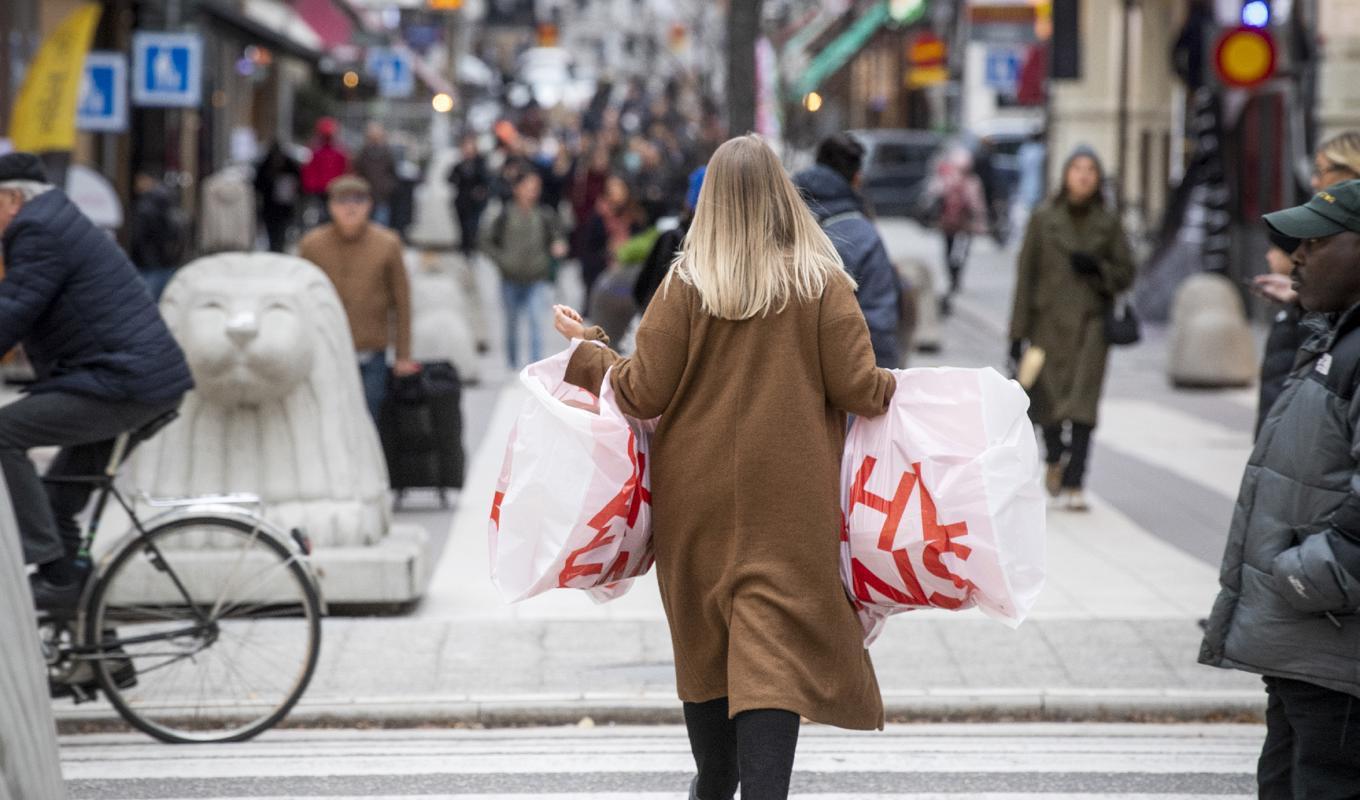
1121 324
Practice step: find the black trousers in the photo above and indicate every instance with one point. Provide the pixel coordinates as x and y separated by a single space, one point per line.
1312 748
1076 447
85 428
755 750
955 257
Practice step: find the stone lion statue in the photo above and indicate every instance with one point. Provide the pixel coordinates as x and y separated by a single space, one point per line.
278 410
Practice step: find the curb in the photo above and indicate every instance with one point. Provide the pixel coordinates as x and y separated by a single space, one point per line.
978 705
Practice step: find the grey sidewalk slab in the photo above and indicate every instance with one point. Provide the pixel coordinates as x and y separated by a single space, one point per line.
931 666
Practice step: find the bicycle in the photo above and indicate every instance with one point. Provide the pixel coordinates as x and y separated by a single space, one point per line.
203 624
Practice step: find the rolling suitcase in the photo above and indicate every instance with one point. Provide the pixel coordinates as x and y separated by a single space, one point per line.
421 426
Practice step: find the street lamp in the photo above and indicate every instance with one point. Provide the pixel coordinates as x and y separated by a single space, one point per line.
442 103
812 102
351 79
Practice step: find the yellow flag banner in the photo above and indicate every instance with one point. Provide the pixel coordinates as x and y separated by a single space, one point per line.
44 118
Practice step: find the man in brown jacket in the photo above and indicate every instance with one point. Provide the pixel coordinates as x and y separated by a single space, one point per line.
364 261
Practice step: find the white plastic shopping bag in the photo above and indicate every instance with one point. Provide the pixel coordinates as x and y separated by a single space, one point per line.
941 500
573 503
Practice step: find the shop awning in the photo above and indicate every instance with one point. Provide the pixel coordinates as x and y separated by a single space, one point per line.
271 23
842 49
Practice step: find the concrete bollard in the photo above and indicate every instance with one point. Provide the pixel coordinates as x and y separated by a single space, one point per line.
1211 343
29 765
926 335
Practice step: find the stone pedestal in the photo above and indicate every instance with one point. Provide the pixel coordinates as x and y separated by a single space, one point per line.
1211 343
278 412
433 225
442 312
926 336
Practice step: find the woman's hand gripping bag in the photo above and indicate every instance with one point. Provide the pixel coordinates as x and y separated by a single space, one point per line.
941 500
573 503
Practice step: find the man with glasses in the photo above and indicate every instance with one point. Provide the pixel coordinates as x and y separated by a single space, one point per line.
365 262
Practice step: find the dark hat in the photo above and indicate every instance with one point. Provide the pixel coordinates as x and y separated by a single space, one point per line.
1333 210
348 184
22 167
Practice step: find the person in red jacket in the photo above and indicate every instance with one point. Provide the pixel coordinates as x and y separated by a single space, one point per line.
328 162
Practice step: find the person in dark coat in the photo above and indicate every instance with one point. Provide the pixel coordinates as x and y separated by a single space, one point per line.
105 361
1290 578
1286 331
1336 160
471 190
1074 262
829 187
156 240
278 184
667 247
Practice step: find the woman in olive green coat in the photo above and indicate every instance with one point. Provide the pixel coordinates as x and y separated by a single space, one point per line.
1074 262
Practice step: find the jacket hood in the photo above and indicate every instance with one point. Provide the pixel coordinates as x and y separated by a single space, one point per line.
826 192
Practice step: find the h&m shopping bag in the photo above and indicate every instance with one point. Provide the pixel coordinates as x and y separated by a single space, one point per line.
941 500
573 504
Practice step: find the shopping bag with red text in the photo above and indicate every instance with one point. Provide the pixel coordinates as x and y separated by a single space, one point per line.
941 500
573 503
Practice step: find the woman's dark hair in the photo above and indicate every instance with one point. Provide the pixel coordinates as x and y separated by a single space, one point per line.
841 153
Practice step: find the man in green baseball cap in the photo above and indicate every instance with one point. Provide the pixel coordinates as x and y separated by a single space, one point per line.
1323 234
1290 582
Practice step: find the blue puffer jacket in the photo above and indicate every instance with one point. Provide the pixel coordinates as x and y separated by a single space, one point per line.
81 310
856 239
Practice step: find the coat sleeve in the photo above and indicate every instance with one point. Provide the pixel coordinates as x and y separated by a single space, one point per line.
1322 573
34 274
645 382
399 300
853 383
1026 274
1116 268
878 296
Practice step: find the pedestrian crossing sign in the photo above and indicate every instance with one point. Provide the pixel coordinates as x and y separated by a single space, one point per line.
167 69
102 104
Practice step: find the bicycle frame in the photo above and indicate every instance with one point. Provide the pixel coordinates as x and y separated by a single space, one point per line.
225 505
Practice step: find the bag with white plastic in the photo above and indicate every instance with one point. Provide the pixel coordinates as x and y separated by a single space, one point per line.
573 502
941 500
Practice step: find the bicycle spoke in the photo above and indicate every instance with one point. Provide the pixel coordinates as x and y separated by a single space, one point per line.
241 672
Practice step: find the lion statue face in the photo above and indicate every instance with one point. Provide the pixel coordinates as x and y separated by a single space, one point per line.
277 409
246 338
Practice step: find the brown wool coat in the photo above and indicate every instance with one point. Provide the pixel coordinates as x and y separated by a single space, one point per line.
1063 312
746 495
370 276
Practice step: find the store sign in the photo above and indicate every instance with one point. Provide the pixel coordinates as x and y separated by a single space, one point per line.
1002 69
102 106
167 69
1002 23
394 71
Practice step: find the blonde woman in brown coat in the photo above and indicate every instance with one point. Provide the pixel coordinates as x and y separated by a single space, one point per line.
752 353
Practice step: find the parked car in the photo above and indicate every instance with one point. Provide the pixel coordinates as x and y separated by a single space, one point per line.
896 168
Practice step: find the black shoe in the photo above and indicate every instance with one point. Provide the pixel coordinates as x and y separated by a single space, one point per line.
946 305
54 597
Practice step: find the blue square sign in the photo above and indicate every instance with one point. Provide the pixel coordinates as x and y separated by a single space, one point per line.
167 69
1003 69
102 106
394 71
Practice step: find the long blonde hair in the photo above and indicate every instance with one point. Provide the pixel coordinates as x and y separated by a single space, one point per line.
753 245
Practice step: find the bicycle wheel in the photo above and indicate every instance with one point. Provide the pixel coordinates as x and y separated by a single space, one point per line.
216 630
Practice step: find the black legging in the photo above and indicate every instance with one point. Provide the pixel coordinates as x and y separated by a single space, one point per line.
1078 450
756 750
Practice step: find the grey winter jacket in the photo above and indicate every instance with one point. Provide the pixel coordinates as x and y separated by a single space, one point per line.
1291 570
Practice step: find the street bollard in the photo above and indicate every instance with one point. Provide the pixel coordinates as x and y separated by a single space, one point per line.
29 765
926 334
1211 343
